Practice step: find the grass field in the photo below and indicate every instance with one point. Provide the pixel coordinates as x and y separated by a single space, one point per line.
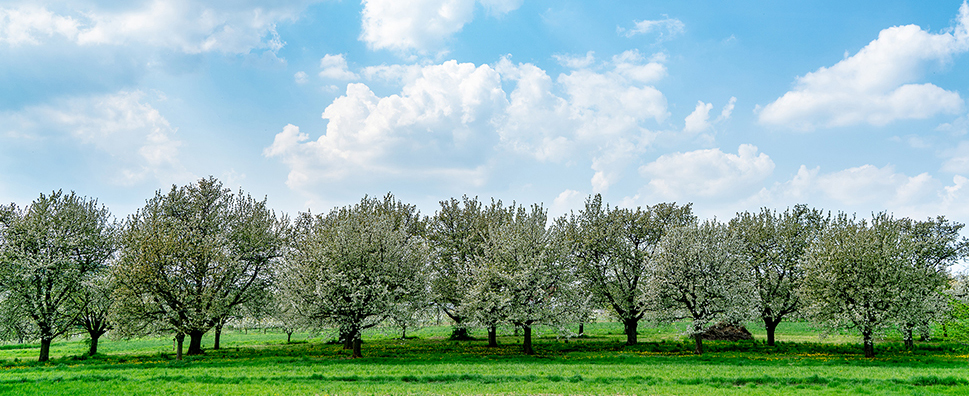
258 363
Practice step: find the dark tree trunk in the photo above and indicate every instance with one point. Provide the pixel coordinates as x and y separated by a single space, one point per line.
356 348
493 336
403 332
581 329
869 344
770 324
347 343
289 337
44 349
631 328
909 343
195 342
945 331
698 348
179 340
95 335
218 335
527 342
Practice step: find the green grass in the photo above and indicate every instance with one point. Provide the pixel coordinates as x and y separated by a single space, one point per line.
258 363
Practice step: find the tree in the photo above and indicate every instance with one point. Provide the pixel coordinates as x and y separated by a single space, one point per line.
456 235
612 249
774 244
860 275
47 251
936 245
191 256
348 269
525 270
97 300
699 274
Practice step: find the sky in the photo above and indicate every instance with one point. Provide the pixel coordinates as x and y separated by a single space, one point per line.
732 106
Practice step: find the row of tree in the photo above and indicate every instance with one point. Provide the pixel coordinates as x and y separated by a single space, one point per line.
198 256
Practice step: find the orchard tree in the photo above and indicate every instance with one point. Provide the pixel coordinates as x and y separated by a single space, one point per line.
857 272
526 272
48 250
936 246
97 298
699 274
191 256
774 246
612 249
456 236
351 268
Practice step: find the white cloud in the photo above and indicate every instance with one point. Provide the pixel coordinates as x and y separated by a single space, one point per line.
699 120
28 24
727 110
665 29
707 173
565 202
420 25
186 26
576 62
430 128
877 85
137 142
335 67
454 119
300 77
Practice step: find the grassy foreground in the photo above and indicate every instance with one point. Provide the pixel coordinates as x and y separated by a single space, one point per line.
662 364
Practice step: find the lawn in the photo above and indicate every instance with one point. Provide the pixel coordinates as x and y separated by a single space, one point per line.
263 363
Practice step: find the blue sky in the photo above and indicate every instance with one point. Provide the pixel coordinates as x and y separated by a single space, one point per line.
847 106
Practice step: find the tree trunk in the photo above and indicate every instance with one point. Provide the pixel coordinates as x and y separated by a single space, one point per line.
95 335
356 348
179 340
869 344
527 342
770 324
195 342
907 337
631 327
218 335
698 339
945 331
403 332
289 337
493 336
44 349
581 329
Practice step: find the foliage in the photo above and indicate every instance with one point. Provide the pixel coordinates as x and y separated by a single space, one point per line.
611 249
191 256
351 268
456 235
699 274
774 245
47 251
864 275
524 275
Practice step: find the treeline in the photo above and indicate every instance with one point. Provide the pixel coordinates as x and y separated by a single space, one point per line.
200 256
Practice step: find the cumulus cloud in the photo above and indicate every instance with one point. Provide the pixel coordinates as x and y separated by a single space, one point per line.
187 26
707 173
421 25
135 139
665 29
453 119
335 67
877 85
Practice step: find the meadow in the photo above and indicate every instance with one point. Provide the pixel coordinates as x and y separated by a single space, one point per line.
262 363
